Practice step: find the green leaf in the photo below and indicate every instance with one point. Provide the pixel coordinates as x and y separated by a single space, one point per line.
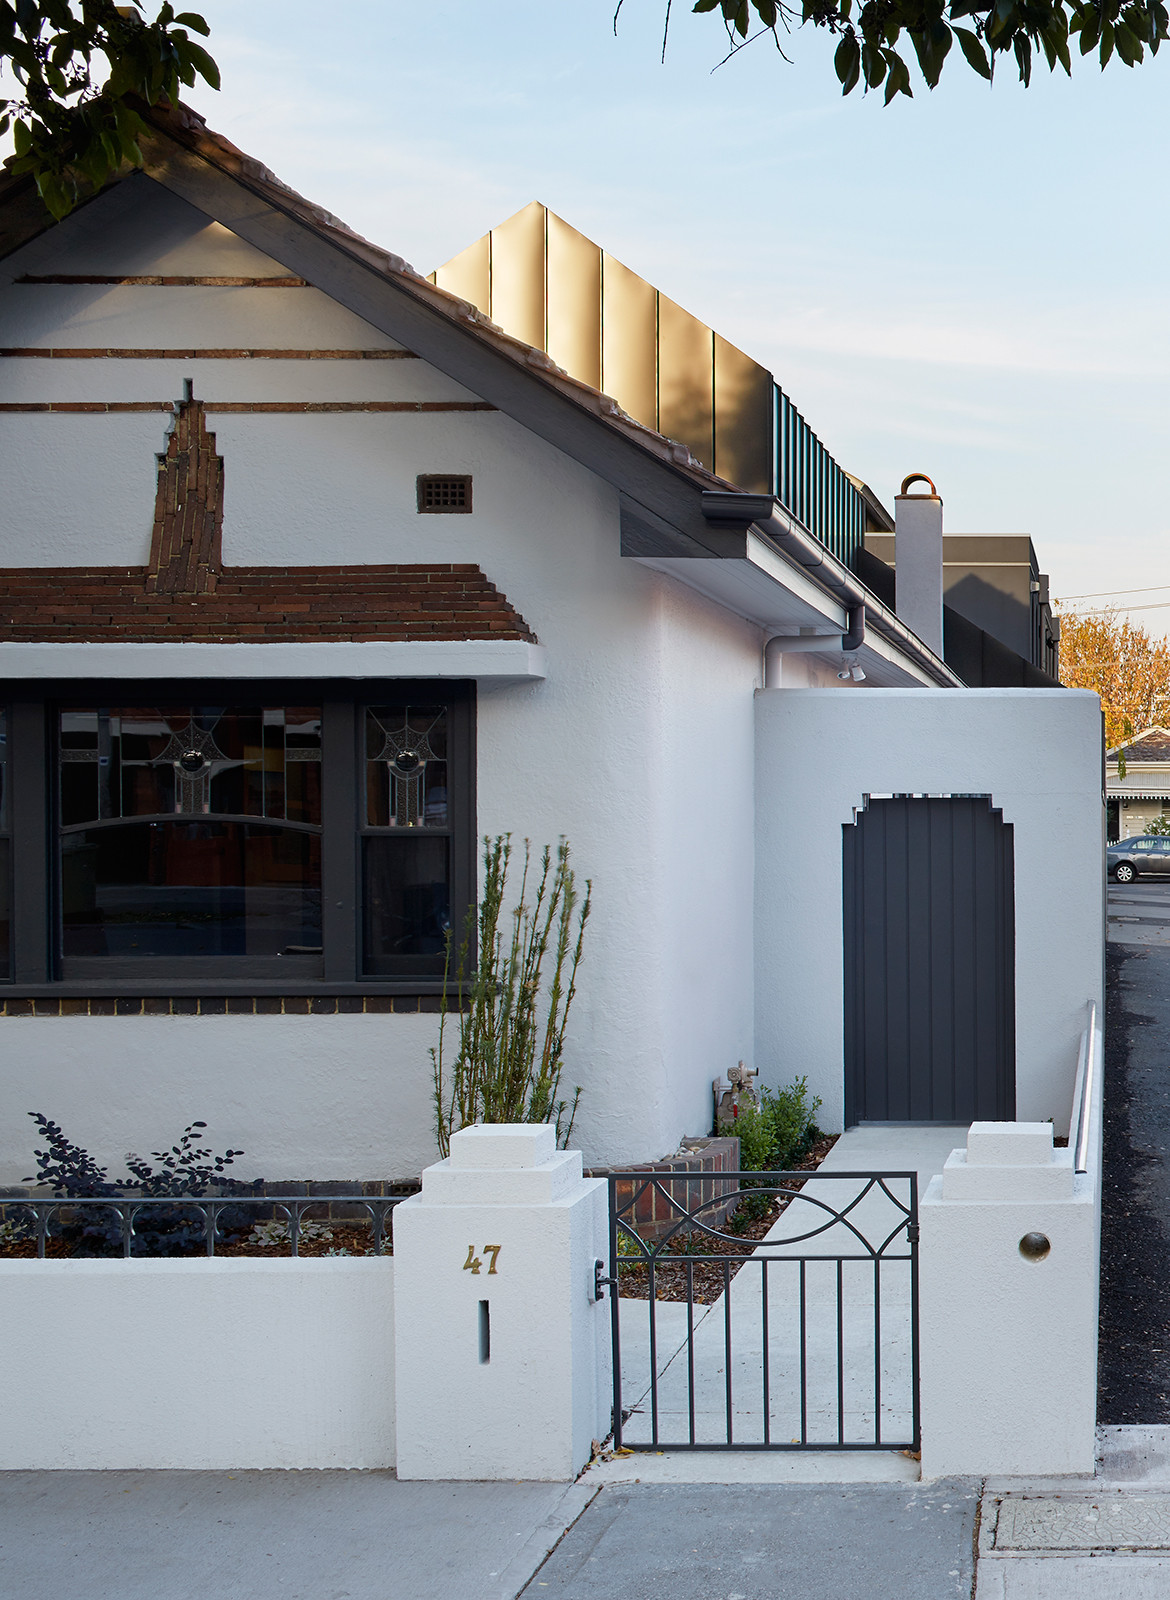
1022 48
1106 43
847 61
973 52
202 63
873 65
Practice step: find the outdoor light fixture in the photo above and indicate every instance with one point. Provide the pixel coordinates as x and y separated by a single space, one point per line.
857 675
844 673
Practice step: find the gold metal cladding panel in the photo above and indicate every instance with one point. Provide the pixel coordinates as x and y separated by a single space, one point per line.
743 419
629 341
686 383
518 260
574 301
468 274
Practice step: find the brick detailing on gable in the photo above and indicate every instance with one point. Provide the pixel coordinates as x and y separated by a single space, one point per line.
259 605
185 546
187 595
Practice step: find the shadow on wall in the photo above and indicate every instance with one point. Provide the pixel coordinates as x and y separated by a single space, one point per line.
991 608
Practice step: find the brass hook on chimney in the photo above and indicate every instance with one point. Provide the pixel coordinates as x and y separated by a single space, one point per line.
918 477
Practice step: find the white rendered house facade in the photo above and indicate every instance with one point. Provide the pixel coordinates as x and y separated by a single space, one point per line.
312 577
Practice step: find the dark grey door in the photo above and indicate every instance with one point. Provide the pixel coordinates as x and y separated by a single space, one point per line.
929 888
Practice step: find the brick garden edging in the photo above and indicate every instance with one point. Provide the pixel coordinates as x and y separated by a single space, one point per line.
703 1157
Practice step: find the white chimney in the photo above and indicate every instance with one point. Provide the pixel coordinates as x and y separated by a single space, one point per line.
918 561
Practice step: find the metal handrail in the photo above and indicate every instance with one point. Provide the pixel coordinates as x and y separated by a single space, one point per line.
1088 1069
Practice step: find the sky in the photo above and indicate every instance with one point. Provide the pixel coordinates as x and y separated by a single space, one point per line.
970 284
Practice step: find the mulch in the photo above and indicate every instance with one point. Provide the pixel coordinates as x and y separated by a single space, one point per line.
738 1238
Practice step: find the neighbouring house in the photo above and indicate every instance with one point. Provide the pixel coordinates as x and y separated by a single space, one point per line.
311 575
1142 795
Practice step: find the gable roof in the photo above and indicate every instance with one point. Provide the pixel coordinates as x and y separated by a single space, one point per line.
1151 745
672 508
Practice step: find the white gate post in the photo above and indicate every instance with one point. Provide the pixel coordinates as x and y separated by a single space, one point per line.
1008 1323
502 1351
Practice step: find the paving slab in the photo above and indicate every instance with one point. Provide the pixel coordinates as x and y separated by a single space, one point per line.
1079 1578
264 1535
780 1542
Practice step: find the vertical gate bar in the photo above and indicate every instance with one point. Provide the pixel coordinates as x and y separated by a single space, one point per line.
727 1341
767 1353
877 1349
691 1345
615 1321
912 1234
803 1357
840 1352
653 1360
210 1217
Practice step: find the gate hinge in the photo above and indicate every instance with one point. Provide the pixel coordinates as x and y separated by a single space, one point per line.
600 1284
912 1232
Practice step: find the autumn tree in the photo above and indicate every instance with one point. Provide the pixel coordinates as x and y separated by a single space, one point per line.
1120 662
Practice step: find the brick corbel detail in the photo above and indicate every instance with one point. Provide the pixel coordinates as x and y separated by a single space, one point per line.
186 546
187 595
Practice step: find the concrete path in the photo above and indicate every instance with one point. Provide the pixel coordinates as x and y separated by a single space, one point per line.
728 1370
740 1542
273 1536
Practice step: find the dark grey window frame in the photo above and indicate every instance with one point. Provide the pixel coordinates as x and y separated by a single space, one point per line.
32 707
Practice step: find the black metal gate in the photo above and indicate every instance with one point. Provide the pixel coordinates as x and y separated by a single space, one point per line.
774 1311
929 917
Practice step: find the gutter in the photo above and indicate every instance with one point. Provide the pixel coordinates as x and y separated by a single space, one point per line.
769 518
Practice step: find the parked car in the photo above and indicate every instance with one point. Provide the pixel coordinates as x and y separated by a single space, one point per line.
1149 852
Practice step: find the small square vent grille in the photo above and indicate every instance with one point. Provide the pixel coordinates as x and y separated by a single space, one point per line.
437 494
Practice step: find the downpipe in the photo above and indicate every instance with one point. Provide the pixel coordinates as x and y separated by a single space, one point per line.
783 644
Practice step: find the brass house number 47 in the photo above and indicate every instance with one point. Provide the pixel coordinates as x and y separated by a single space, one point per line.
473 1263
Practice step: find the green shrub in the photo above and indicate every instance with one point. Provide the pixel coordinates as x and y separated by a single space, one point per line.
779 1131
506 1060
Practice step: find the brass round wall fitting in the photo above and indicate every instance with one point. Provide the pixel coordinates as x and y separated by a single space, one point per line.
1035 1246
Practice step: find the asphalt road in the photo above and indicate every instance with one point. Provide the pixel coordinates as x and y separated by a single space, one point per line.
1139 912
1134 1359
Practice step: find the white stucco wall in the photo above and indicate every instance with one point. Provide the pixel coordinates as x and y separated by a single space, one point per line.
1037 753
636 746
212 1364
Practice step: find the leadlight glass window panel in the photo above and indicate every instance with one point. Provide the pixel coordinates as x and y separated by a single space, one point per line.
191 833
406 767
406 851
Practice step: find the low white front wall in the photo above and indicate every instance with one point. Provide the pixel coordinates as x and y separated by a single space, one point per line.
198 1363
819 753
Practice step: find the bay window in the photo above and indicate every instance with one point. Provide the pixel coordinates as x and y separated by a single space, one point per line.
264 836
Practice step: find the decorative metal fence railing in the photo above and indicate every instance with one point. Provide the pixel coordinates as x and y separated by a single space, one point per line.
194 1225
791 1325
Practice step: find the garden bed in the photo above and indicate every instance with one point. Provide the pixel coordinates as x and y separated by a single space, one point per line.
739 1237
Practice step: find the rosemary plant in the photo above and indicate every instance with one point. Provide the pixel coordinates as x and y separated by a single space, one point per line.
506 1062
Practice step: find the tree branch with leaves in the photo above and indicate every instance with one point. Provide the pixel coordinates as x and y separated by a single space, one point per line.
84 71
877 39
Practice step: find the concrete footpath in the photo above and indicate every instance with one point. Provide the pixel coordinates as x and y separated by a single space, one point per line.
365 1536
